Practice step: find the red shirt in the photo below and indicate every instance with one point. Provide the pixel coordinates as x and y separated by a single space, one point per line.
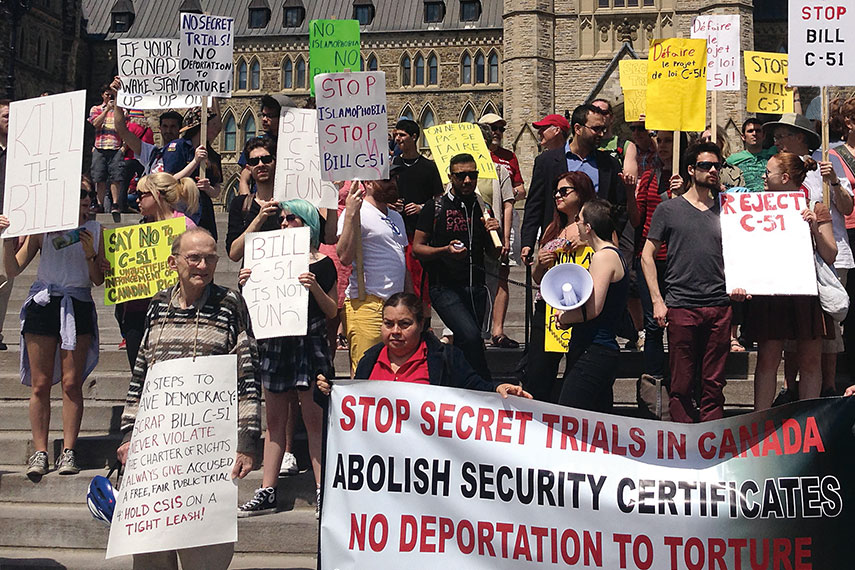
414 370
647 198
509 159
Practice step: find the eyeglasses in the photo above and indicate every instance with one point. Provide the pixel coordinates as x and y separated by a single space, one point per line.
461 176
769 173
500 129
599 130
637 128
391 224
289 217
196 259
779 136
563 191
707 165
254 160
268 115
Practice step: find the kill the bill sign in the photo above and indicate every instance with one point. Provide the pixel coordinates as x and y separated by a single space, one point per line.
434 477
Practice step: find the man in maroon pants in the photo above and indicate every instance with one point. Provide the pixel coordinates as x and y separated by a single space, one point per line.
696 307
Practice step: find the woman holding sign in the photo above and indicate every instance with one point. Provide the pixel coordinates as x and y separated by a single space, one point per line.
58 315
293 362
774 319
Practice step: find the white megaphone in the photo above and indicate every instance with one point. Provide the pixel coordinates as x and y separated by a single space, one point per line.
566 286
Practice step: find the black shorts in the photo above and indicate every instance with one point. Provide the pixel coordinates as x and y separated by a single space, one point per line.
45 320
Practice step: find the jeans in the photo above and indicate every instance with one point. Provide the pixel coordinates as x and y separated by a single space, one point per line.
590 378
462 310
654 345
699 342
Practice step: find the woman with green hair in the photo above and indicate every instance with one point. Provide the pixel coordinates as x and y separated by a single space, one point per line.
293 363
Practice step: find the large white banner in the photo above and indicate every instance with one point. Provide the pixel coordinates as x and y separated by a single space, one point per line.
43 163
177 490
205 51
148 69
821 42
278 303
766 244
353 131
298 160
722 35
435 477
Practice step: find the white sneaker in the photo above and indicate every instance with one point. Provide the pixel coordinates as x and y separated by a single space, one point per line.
289 464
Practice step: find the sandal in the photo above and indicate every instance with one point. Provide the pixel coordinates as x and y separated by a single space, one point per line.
503 341
735 346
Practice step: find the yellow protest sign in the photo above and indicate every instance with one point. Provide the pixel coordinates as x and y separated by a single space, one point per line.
555 339
765 66
677 85
450 139
633 74
138 260
634 103
772 98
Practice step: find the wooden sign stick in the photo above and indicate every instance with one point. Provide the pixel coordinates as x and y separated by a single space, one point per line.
360 263
675 155
203 134
714 116
826 194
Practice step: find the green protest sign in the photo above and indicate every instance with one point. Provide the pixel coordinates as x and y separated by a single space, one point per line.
333 47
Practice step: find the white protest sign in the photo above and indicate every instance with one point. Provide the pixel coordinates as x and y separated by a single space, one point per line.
148 69
205 50
722 35
177 490
821 42
352 125
45 152
298 170
278 303
766 244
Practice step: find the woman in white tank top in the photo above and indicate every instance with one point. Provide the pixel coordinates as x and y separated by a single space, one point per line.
58 315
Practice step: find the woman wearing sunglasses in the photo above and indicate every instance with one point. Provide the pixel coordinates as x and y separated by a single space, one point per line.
291 364
59 331
560 242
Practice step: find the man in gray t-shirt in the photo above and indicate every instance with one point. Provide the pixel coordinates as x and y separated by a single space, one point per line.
696 307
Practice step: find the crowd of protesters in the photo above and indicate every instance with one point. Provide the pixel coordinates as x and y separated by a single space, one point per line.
657 267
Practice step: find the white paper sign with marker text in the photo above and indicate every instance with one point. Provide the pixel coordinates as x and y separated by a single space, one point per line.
722 35
298 170
177 490
44 155
205 50
821 42
278 303
148 69
352 125
766 244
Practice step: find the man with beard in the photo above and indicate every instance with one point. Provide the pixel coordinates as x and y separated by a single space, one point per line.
451 239
271 107
696 308
384 238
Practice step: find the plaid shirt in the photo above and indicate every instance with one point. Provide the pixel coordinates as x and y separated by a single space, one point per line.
106 137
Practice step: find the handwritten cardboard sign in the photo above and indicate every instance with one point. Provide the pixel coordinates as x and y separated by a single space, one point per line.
205 51
45 152
353 131
278 303
138 260
633 82
821 39
722 35
148 69
557 339
766 244
177 490
676 85
450 139
298 160
333 47
766 73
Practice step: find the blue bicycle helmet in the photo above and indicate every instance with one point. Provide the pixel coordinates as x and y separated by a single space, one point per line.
101 499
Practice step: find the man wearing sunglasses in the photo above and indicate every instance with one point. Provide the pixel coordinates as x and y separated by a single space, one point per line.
451 239
696 306
271 107
579 154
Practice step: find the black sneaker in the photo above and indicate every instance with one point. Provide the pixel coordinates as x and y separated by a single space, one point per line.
262 503
38 464
67 463
785 396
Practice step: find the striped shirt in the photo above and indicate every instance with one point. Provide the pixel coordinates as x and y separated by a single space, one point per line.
223 328
106 137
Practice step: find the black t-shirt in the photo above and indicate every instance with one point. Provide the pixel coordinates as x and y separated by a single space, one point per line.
456 221
178 154
326 276
239 219
694 276
418 183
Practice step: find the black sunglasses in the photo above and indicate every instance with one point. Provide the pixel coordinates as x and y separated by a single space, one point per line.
289 217
563 191
636 128
500 129
461 176
707 165
254 160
